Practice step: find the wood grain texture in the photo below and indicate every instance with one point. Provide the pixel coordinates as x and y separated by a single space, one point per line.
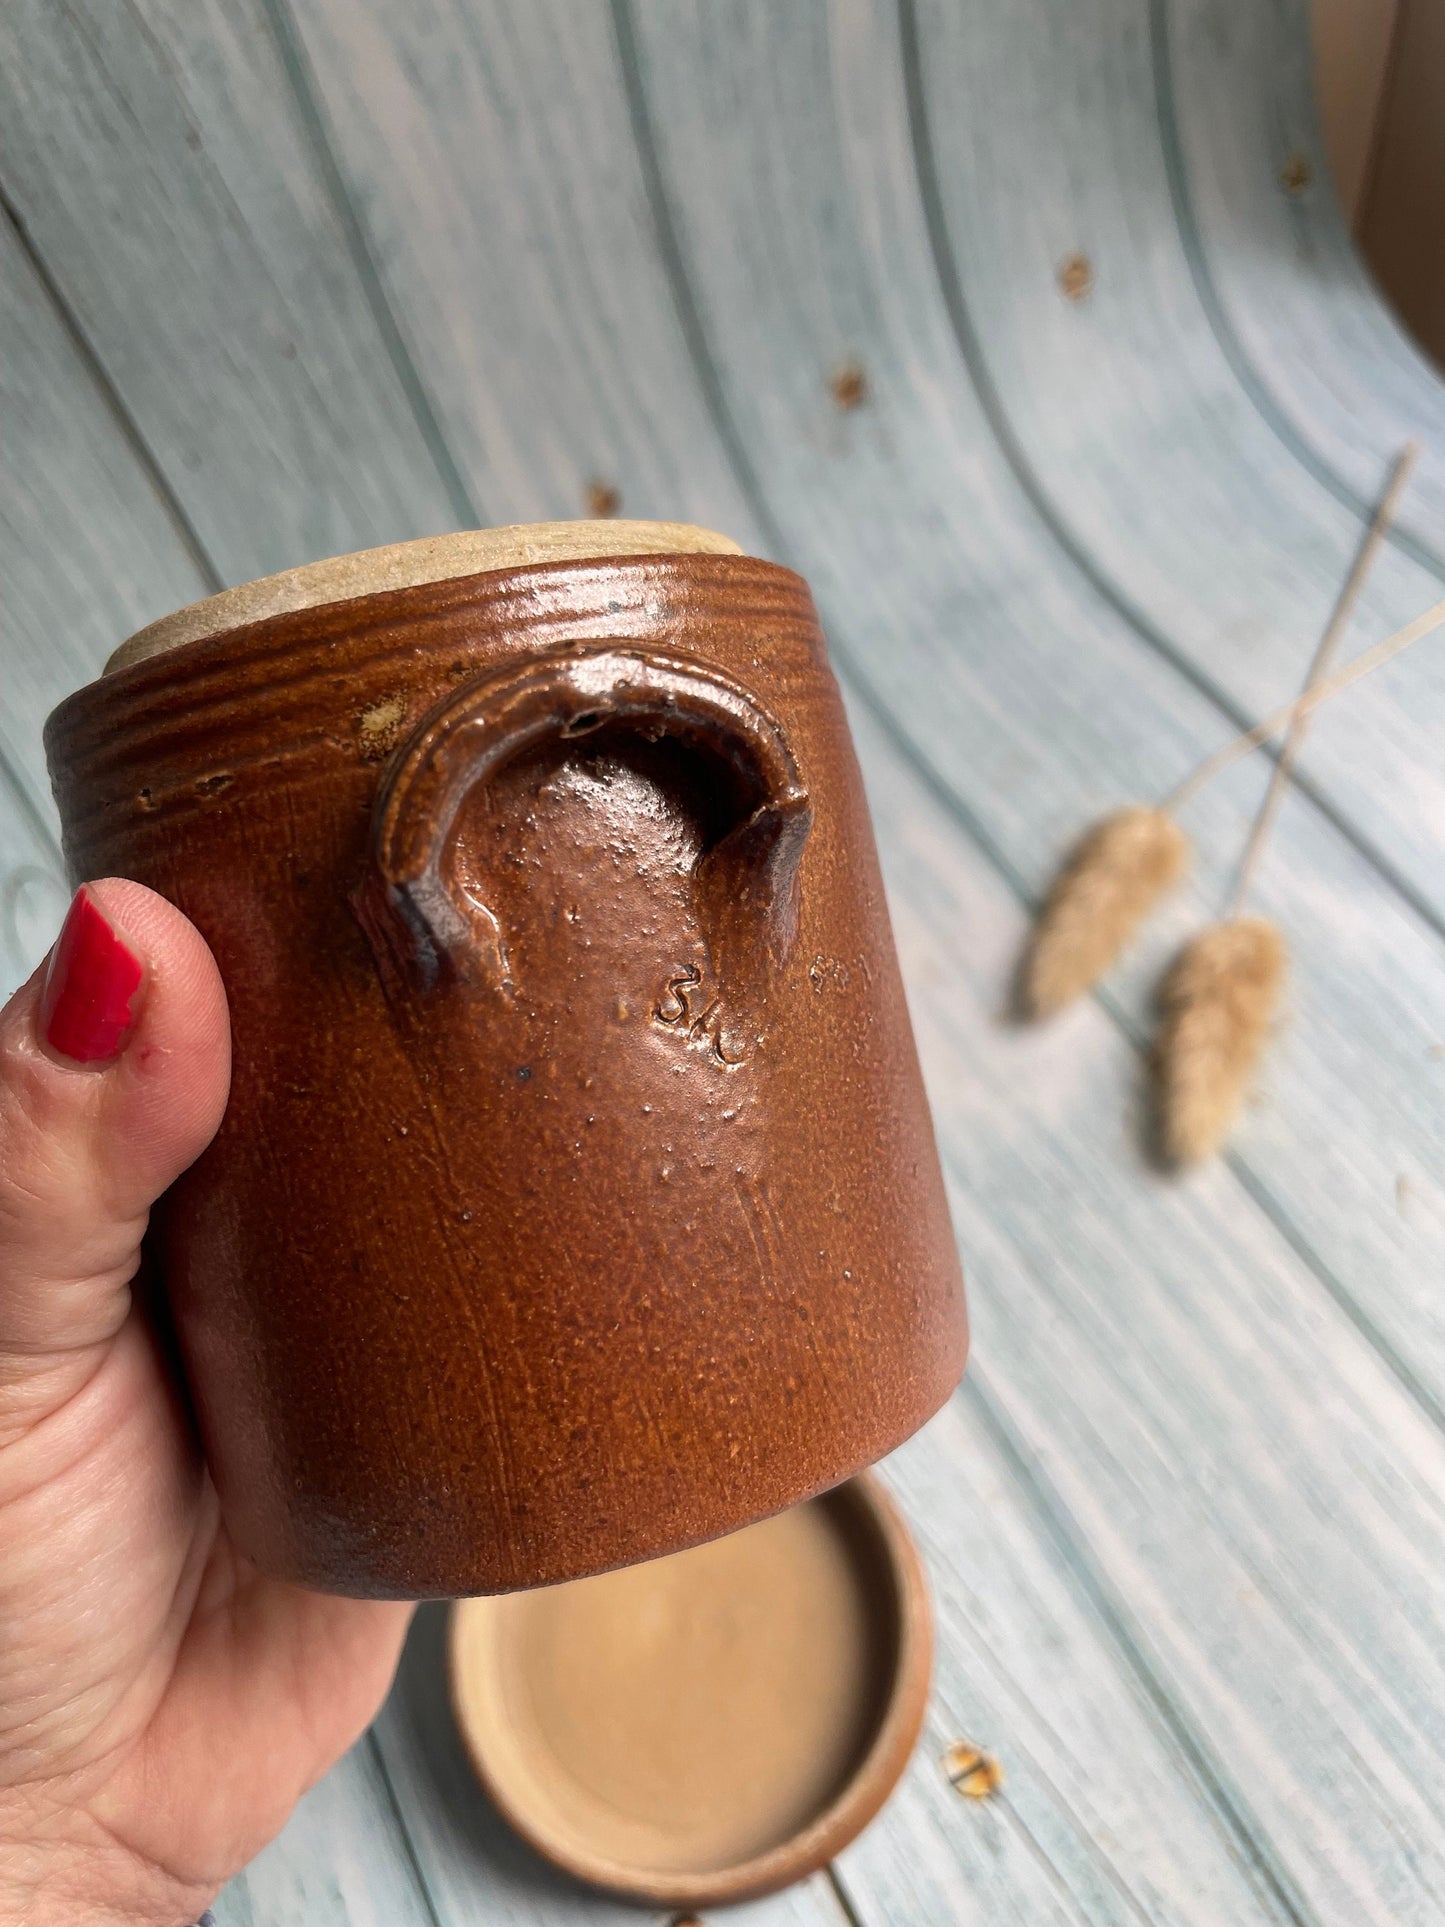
1186 1525
33 895
157 160
1239 1480
506 206
1128 419
1293 303
88 550
342 1861
1103 1817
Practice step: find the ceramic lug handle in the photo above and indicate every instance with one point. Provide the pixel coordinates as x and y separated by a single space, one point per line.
418 919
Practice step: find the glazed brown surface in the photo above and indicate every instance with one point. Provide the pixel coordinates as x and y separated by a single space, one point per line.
577 1198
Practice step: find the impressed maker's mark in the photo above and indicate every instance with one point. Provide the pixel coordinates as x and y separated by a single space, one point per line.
689 1010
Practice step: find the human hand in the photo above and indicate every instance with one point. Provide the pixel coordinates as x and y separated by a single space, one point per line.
162 1705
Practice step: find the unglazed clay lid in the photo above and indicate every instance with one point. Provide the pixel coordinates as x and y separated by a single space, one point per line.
709 1726
405 565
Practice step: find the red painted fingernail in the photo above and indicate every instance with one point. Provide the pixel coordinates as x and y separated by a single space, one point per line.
85 1009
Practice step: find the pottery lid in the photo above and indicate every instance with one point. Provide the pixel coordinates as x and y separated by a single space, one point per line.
712 1725
405 565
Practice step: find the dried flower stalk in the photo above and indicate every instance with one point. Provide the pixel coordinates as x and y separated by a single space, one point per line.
1219 1002
1122 867
1221 997
1365 664
1113 878
1322 661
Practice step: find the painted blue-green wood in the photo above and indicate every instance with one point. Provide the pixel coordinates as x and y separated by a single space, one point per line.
350 271
1291 298
342 1861
1104 1816
89 550
1127 418
32 888
506 206
1242 1485
160 165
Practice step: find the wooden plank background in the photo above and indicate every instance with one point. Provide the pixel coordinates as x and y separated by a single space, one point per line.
281 278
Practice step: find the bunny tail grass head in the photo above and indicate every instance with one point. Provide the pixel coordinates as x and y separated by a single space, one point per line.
1112 879
1219 1001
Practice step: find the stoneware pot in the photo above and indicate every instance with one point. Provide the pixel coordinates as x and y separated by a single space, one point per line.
711 1726
577 1198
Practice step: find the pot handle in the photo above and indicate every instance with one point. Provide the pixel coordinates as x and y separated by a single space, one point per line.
422 924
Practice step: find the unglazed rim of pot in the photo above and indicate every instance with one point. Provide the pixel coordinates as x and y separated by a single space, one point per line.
906 1619
406 565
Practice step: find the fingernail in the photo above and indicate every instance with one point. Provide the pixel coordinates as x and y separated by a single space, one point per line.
85 1009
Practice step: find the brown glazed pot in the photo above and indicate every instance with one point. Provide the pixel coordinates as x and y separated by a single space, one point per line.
577 1198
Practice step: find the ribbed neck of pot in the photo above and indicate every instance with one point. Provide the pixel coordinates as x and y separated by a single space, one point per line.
405 565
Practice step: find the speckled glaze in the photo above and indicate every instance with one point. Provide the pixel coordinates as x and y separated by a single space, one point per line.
577 1199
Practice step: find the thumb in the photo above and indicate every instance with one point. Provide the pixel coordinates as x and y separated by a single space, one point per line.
114 1069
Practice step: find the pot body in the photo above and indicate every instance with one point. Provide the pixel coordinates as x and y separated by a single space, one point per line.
577 1198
